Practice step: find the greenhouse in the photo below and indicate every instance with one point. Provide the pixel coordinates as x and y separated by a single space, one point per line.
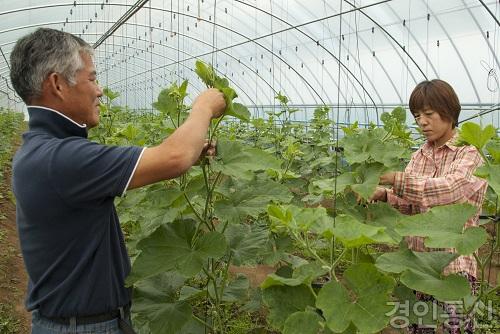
249 166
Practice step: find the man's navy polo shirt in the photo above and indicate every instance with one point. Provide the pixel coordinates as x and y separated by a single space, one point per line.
70 236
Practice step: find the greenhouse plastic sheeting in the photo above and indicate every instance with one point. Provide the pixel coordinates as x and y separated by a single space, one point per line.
348 53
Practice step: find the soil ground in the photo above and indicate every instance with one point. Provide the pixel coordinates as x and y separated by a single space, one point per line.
14 319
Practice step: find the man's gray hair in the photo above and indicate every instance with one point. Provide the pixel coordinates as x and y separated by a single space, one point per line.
45 51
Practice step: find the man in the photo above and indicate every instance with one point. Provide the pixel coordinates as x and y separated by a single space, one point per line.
65 185
438 173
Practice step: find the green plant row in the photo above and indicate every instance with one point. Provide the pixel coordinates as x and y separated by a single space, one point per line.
280 196
11 123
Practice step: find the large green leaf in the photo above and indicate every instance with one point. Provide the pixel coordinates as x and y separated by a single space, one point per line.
384 215
155 301
363 301
451 287
492 174
169 317
306 322
240 161
410 308
422 271
205 72
359 147
249 198
237 290
315 220
431 263
493 148
246 242
166 104
292 217
472 134
391 155
160 288
283 301
331 185
240 111
443 227
170 248
363 180
353 233
367 146
367 177
303 274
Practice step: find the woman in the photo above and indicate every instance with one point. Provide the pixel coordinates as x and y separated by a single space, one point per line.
438 173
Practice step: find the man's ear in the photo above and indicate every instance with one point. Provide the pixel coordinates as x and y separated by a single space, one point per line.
56 85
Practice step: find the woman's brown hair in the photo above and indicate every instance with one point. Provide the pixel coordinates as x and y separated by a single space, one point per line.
438 96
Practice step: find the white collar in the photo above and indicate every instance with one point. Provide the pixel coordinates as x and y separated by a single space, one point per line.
61 114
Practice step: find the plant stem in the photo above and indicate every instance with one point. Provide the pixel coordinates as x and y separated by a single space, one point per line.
288 166
211 136
207 188
334 264
194 210
305 244
203 323
224 276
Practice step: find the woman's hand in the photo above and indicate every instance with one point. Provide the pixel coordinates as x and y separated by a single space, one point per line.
380 194
388 178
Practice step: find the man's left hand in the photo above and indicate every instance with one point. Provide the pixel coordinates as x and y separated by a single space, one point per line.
209 150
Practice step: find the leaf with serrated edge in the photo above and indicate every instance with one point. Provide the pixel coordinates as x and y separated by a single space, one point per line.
422 271
363 301
249 198
240 111
369 175
472 134
307 322
443 227
155 300
169 248
492 174
240 161
353 233
246 242
303 274
283 301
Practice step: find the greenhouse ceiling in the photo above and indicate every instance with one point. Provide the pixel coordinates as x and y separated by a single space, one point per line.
363 52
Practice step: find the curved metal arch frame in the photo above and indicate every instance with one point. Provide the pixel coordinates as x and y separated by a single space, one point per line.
310 87
417 42
482 33
158 66
390 37
458 54
364 72
101 21
489 11
346 69
194 57
254 41
249 40
141 68
45 6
